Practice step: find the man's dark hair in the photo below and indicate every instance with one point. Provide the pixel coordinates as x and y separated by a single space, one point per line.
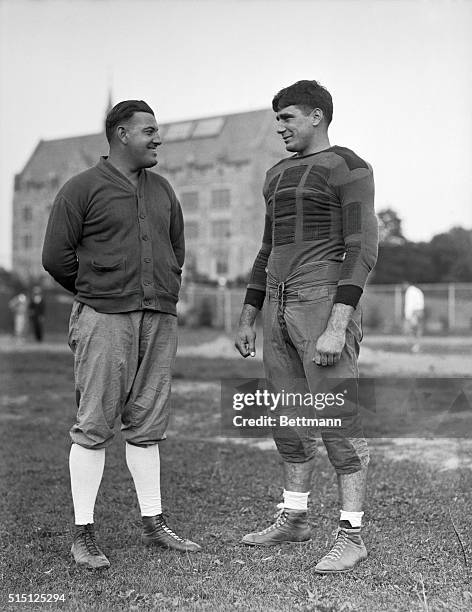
122 112
307 95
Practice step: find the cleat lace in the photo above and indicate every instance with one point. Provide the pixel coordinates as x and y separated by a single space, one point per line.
339 546
88 538
162 526
281 518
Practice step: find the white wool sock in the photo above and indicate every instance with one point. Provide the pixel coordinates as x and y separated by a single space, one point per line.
355 518
295 501
145 467
86 471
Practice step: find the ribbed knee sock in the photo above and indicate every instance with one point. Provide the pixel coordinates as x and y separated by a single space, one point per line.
86 471
295 501
144 465
355 518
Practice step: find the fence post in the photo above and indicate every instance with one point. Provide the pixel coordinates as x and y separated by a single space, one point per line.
451 306
398 305
227 310
221 302
191 295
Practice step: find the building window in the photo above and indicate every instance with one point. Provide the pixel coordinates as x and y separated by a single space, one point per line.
191 230
221 260
208 127
27 241
220 199
27 214
178 131
189 201
220 228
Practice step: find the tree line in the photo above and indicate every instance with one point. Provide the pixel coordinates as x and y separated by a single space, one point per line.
447 257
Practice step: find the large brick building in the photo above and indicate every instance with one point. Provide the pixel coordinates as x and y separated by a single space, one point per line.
216 166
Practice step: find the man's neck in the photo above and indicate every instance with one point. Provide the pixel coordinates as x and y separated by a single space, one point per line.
320 144
120 164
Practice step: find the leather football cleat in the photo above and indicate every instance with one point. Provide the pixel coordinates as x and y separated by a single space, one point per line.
85 550
290 526
348 550
158 533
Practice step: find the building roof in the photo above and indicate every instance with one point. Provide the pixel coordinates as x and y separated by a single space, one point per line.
56 157
201 141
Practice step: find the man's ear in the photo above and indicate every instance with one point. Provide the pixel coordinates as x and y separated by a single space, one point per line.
317 116
122 134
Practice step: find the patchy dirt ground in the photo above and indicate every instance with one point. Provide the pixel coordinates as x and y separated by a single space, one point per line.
380 355
454 361
444 454
440 454
376 361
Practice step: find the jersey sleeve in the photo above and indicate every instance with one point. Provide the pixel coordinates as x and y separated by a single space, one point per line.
353 182
256 288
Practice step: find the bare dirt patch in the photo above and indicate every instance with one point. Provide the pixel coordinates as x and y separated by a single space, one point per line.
440 454
444 454
373 360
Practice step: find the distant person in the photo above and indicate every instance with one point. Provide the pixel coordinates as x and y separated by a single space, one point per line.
319 245
36 310
19 307
414 315
115 239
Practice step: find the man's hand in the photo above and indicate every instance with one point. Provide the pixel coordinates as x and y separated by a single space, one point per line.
329 347
330 344
245 340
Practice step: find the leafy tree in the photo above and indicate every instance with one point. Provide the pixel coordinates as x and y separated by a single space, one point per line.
390 227
451 254
446 258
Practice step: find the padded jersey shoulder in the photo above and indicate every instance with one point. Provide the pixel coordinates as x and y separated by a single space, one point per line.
352 160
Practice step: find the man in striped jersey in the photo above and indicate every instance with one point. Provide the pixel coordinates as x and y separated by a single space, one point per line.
319 245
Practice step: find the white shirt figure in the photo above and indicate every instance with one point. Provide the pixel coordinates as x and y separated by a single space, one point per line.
19 307
414 314
414 302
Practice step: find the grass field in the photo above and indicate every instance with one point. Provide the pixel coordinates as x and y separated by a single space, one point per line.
417 523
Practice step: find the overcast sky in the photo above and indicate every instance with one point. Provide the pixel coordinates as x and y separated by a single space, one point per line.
399 72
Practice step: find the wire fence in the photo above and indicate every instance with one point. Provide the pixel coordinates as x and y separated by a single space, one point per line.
448 308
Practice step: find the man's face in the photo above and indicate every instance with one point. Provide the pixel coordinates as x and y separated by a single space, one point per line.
296 128
142 140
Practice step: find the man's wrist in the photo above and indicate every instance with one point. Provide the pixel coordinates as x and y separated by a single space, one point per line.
248 315
339 319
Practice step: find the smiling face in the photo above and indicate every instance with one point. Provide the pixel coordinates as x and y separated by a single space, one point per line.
140 134
297 128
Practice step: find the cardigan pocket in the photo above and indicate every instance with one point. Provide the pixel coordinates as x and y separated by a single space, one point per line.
107 276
